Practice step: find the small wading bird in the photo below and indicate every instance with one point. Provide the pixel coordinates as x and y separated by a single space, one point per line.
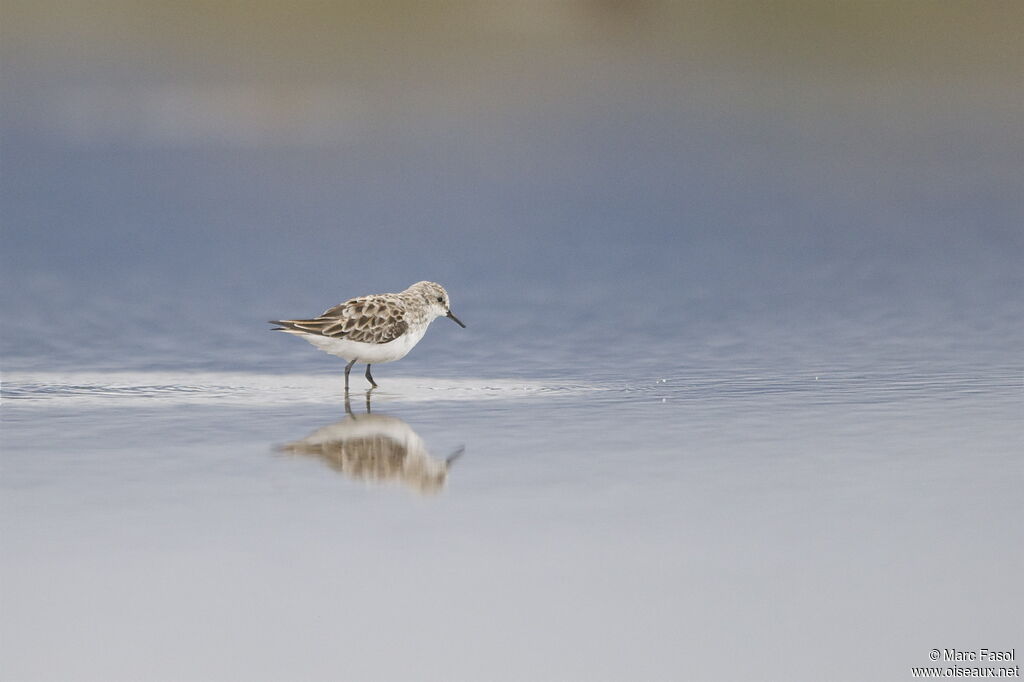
376 328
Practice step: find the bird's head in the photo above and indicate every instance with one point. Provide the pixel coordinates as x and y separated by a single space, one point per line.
436 299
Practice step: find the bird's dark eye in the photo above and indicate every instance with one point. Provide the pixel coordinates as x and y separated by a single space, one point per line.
440 300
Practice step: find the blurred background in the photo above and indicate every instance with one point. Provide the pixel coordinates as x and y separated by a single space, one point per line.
747 177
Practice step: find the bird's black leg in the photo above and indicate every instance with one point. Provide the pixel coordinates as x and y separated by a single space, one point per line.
348 368
369 377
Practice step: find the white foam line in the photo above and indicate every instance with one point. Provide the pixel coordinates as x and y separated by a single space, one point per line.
118 389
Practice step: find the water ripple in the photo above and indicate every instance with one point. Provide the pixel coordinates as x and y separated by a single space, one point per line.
96 389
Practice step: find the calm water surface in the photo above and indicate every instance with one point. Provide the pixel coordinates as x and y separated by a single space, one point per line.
237 524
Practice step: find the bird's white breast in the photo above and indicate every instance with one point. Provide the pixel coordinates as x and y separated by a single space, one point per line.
370 353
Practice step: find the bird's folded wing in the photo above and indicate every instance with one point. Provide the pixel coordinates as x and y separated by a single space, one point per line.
366 319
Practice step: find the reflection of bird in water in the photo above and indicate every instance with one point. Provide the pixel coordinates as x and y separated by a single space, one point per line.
377 448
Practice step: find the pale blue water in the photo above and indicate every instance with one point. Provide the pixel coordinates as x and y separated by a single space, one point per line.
741 394
668 517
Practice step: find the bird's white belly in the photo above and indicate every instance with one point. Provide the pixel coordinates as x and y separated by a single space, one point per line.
370 353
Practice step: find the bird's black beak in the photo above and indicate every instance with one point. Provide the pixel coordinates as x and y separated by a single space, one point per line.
451 316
